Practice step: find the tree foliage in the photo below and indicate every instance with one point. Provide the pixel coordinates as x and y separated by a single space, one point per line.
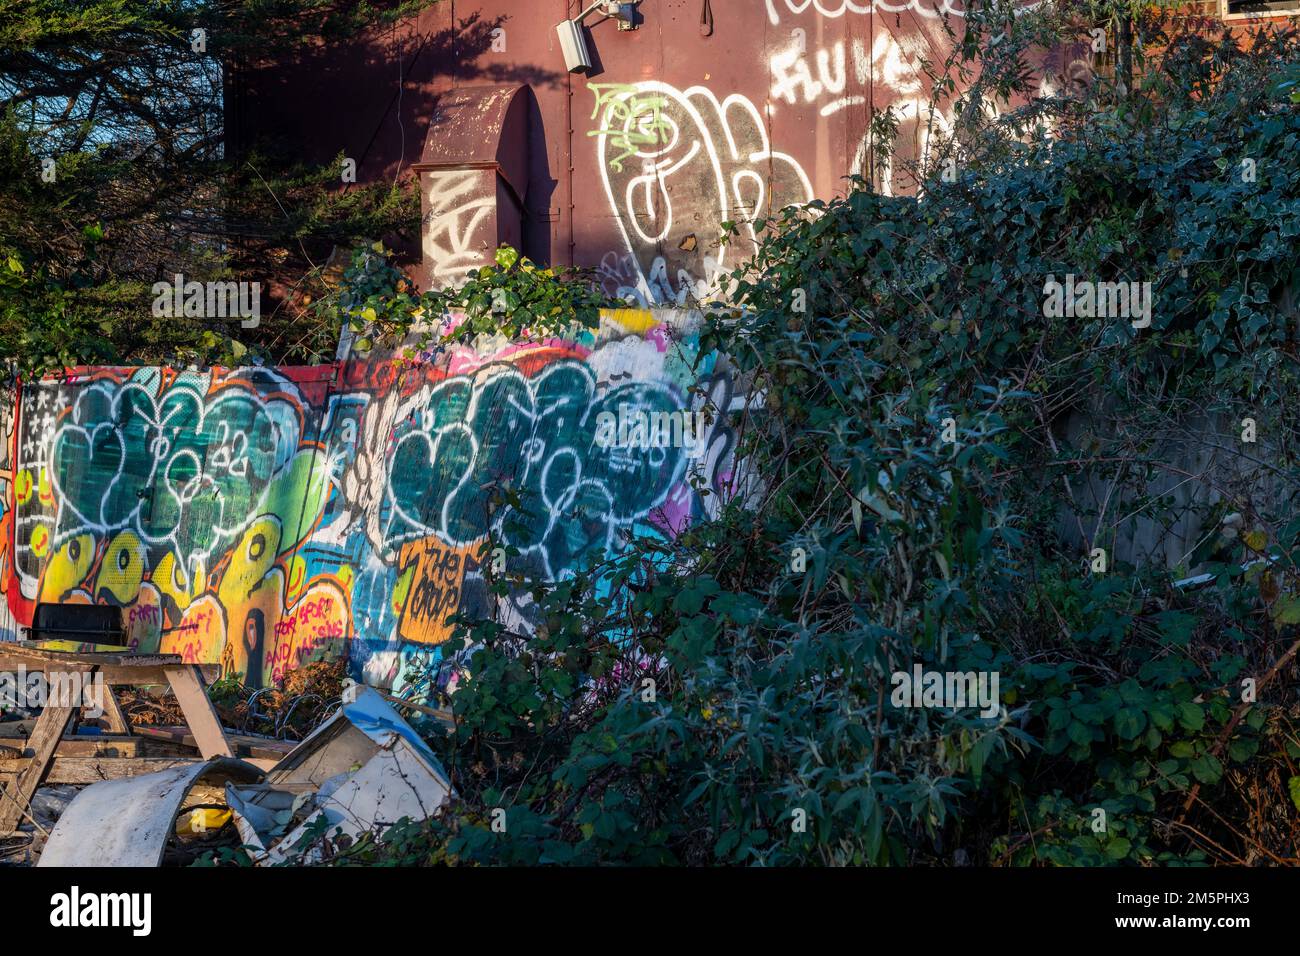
114 175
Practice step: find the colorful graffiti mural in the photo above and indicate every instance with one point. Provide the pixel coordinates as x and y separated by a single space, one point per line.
8 423
180 497
262 518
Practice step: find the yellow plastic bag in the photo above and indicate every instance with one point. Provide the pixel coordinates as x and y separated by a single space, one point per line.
201 821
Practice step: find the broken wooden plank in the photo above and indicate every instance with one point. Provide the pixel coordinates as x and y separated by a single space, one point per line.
117 675
104 745
113 718
443 715
42 744
246 745
200 715
75 647
123 658
82 770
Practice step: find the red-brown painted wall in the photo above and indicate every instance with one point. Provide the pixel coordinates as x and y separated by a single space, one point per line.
772 107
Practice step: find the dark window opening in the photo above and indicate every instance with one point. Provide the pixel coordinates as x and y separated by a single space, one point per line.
1265 7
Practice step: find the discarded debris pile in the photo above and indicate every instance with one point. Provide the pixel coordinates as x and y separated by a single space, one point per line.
361 771
173 792
146 708
290 711
287 712
81 735
133 822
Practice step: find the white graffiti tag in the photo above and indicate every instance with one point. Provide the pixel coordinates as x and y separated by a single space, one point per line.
459 211
838 8
708 162
892 68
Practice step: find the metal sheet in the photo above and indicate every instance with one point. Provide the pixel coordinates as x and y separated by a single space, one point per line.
395 783
371 714
481 127
127 822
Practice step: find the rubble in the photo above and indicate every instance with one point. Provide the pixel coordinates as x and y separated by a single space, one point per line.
363 769
360 771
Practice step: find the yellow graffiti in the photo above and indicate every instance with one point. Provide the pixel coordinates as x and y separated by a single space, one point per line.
41 541
178 586
251 593
121 570
637 321
45 489
250 560
143 619
297 577
67 568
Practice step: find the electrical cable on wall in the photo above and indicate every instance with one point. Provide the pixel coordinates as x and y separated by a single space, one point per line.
401 127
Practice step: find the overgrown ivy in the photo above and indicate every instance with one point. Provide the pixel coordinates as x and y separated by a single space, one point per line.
379 305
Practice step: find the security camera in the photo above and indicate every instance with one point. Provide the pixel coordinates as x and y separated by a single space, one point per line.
573 41
573 35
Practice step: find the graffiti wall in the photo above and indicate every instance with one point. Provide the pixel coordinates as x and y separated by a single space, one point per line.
8 445
263 518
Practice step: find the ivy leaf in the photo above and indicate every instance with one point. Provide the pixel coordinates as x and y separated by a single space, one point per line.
1287 610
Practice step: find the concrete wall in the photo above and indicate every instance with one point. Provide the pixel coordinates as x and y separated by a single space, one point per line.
1161 503
265 517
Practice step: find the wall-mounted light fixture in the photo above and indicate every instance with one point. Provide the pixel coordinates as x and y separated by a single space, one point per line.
572 34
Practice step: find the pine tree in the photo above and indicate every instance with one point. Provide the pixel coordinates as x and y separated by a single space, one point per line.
114 175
